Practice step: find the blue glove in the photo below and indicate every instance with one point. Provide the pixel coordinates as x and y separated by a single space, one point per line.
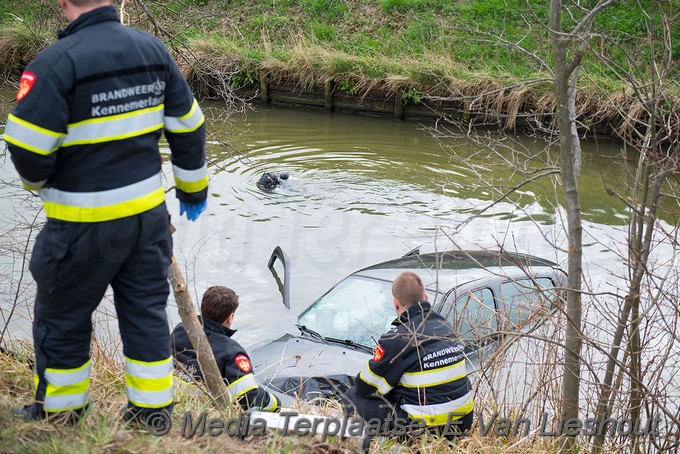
193 210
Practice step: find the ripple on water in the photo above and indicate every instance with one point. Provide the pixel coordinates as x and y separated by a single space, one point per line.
337 176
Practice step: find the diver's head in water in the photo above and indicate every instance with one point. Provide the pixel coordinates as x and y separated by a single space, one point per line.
269 181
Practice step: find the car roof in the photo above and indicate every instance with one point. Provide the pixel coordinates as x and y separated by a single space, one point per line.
445 270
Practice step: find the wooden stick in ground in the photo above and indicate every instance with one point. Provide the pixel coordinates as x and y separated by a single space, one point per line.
206 359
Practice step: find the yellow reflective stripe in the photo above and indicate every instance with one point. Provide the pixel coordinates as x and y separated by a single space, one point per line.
32 127
242 386
103 205
115 127
26 146
423 379
104 213
188 122
273 403
243 391
32 185
104 197
31 137
148 369
437 414
149 384
149 399
62 390
64 377
443 418
63 403
191 180
191 186
67 389
36 380
368 376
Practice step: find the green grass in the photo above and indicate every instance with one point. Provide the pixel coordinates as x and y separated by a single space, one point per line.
321 31
425 45
328 9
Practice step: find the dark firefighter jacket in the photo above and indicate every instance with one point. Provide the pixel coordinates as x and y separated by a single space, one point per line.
232 360
419 364
89 116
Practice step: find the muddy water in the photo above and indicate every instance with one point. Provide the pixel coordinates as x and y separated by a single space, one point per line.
361 190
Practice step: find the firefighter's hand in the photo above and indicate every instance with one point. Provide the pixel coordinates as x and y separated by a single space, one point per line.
193 210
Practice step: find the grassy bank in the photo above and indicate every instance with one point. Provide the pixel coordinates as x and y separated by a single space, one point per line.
494 54
103 431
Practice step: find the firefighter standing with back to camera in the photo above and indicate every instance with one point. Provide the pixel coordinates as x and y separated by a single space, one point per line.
84 133
418 368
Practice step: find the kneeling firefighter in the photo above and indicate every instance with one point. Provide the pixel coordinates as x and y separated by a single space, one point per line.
417 370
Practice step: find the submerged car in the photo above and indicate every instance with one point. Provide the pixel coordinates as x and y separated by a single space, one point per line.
484 294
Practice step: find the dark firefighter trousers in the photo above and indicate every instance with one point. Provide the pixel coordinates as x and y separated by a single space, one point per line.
73 263
383 408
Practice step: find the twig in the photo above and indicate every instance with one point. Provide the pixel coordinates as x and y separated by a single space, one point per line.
204 354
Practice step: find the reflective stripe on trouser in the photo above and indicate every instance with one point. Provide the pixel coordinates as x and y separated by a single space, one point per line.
149 384
66 389
73 264
438 414
99 206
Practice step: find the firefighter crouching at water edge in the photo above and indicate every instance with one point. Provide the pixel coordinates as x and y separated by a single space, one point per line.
84 134
418 368
218 307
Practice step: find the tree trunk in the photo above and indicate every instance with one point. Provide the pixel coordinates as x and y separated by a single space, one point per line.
570 160
206 359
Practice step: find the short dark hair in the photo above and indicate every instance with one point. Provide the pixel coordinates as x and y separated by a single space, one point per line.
218 303
83 3
408 289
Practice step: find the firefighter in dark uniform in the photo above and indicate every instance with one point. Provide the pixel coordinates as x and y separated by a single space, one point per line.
417 370
84 134
218 307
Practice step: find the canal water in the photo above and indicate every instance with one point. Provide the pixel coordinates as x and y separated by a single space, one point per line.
361 190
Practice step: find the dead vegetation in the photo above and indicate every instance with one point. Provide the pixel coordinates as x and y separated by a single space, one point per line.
103 431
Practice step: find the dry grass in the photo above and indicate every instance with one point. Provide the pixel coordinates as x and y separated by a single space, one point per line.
103 431
17 48
304 66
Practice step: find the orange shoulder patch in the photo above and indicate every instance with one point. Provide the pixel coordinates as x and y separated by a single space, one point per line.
243 363
25 84
378 353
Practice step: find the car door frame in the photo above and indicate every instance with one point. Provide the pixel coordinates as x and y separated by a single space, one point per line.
446 308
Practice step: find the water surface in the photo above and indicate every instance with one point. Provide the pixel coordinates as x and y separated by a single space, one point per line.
361 190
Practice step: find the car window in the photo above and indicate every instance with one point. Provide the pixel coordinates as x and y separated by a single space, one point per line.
474 317
359 309
524 297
